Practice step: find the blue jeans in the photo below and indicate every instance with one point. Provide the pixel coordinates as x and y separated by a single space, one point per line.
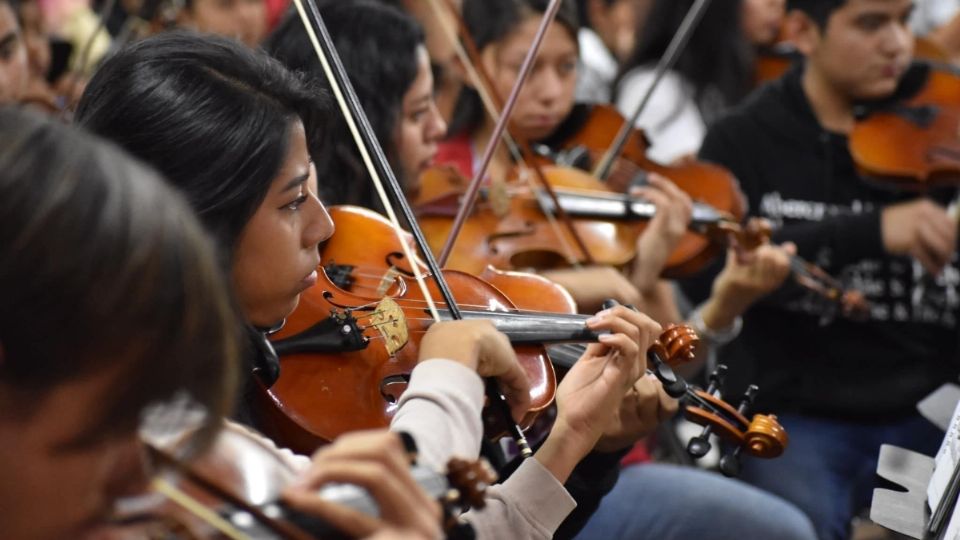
829 468
665 502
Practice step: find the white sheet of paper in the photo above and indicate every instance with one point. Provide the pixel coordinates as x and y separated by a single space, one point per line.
946 460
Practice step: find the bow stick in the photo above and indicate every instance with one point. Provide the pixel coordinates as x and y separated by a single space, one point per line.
379 168
474 188
519 148
667 61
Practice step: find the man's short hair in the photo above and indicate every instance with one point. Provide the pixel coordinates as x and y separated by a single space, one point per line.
818 10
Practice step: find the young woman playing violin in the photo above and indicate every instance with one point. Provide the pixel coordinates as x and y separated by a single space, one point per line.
503 33
856 386
112 301
714 71
239 134
73 396
401 109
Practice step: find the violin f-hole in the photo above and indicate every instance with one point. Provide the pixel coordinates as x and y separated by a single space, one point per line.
392 386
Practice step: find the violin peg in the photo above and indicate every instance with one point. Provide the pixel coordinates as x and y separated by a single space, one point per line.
730 464
700 445
716 379
471 480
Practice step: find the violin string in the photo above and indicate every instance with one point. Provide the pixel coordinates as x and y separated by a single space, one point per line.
484 310
364 153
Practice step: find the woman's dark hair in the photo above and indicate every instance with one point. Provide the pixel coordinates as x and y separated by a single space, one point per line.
377 44
718 61
105 268
489 21
210 114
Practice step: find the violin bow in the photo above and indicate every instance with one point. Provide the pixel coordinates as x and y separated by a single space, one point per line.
492 101
667 61
379 168
473 189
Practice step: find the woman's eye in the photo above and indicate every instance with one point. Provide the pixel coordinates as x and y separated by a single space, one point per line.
295 205
417 116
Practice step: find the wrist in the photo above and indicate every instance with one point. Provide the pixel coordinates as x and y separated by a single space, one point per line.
559 454
646 270
714 324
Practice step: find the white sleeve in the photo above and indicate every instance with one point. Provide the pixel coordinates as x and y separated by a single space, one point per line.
671 119
441 408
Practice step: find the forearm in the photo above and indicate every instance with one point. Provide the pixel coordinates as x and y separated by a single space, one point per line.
660 304
441 409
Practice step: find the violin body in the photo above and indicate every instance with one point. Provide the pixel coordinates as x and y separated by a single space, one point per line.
339 371
324 391
914 144
509 230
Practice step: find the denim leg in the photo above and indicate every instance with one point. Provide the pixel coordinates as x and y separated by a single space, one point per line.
829 467
668 502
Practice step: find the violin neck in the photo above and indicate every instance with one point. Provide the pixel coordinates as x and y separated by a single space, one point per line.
528 328
565 355
622 207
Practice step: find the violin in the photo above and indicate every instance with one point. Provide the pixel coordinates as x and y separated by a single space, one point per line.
759 436
914 143
711 187
233 491
511 228
362 350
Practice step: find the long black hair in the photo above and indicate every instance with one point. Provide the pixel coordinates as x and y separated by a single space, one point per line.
378 45
105 268
489 21
718 61
212 115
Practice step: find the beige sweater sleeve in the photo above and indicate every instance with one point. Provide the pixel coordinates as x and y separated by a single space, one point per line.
441 409
531 504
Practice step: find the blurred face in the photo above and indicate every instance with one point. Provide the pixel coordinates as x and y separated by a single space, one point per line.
420 127
243 20
35 39
617 23
762 20
547 97
276 256
864 49
13 57
60 481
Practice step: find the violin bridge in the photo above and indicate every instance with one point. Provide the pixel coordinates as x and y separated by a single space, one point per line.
389 320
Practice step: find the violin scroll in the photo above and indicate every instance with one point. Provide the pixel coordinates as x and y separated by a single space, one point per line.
676 345
761 437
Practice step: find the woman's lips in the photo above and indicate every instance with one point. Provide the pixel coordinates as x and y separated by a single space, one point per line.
308 281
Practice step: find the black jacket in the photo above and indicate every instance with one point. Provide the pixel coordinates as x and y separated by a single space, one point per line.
803 178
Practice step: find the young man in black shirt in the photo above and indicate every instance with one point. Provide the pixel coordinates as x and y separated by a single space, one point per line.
841 387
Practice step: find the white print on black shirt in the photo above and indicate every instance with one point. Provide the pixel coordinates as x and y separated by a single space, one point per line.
897 288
